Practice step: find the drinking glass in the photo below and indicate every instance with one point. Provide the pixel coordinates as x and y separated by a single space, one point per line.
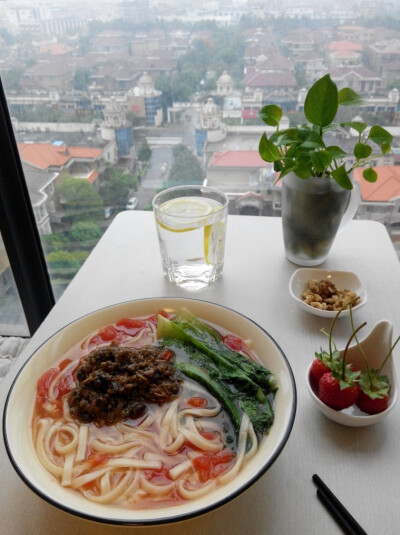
191 225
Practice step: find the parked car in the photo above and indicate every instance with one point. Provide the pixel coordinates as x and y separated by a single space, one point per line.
132 203
108 211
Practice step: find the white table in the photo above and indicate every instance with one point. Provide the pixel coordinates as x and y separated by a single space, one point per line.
361 465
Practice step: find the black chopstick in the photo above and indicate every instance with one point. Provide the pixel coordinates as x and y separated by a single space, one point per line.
338 511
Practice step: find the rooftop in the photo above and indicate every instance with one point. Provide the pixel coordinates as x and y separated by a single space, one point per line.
240 158
46 155
385 189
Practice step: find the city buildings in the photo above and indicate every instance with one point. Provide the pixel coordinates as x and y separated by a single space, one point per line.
86 87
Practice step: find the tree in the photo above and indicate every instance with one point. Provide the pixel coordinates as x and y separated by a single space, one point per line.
85 231
144 153
300 74
54 242
12 79
80 199
81 79
185 168
117 186
62 259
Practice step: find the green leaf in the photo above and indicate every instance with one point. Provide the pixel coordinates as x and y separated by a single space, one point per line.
348 97
336 152
356 125
278 166
291 151
303 158
321 102
370 175
271 114
302 170
379 135
303 132
287 137
385 147
361 150
268 151
321 160
332 126
313 141
374 385
341 176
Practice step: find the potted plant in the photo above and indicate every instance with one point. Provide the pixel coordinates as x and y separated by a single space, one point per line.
317 184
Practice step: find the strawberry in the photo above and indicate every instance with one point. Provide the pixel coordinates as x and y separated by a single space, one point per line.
323 363
374 396
372 406
317 370
336 392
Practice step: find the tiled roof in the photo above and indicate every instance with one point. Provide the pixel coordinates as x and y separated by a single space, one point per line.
301 35
237 158
53 67
275 63
116 71
46 155
344 45
271 79
93 175
55 49
309 56
386 188
360 71
345 53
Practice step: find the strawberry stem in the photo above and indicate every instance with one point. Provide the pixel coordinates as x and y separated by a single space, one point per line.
347 347
388 355
360 348
334 321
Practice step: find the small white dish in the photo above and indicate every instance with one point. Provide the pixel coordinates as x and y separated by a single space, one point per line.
376 346
344 280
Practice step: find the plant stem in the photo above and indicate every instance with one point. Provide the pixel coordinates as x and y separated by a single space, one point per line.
347 347
388 355
334 321
359 346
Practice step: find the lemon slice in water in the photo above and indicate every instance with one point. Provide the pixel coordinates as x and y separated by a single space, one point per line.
184 214
214 239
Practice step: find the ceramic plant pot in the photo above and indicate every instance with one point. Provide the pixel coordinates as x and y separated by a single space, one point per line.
312 212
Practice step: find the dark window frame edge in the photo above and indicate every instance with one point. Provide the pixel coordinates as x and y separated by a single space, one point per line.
19 230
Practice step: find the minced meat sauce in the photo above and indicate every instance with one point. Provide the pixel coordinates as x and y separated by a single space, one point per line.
116 383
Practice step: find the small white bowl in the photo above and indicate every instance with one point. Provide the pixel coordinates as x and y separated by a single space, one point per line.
344 280
376 346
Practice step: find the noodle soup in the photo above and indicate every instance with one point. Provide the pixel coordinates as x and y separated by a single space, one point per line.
152 411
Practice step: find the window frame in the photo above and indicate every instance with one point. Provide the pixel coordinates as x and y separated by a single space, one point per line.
18 229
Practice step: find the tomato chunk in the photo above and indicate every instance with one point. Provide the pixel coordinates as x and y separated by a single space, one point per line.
197 402
168 354
158 477
64 364
209 435
130 326
153 318
106 334
236 344
210 466
98 458
44 383
64 385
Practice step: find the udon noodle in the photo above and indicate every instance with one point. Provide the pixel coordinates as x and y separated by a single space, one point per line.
174 452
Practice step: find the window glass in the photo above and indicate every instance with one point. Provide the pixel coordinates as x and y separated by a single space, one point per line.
12 318
114 100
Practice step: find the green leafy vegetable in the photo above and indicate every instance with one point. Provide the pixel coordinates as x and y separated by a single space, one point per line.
218 389
240 381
